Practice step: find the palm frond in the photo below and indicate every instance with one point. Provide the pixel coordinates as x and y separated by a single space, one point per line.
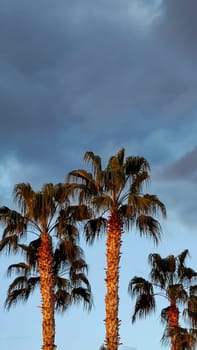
145 304
139 285
149 227
154 205
94 229
190 313
13 222
9 244
136 165
23 196
177 292
18 268
183 339
84 295
95 162
20 290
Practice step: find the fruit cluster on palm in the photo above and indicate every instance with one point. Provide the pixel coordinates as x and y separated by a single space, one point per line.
51 257
117 202
172 279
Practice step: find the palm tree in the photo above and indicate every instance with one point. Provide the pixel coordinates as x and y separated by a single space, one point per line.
170 278
49 215
115 196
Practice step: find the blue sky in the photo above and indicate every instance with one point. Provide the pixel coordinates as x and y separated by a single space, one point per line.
99 75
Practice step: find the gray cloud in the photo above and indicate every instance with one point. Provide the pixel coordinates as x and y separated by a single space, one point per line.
178 27
97 76
184 168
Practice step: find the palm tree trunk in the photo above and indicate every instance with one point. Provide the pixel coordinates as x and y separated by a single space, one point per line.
173 322
47 292
113 243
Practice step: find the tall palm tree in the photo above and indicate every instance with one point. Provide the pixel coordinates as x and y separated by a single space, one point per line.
49 215
115 196
170 278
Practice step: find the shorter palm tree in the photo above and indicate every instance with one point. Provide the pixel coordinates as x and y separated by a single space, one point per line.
170 278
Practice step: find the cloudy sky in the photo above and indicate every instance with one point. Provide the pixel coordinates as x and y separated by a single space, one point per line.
99 75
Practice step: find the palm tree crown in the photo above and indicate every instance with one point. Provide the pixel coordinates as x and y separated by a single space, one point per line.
115 197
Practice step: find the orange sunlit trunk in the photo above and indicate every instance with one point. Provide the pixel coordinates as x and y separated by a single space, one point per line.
113 243
47 292
173 323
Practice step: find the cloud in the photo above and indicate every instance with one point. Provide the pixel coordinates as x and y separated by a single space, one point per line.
97 76
184 168
178 26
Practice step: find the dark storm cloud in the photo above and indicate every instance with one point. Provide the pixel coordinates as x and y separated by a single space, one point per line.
178 26
184 168
94 76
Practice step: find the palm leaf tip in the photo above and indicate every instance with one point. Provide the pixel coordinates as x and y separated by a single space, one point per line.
145 304
150 227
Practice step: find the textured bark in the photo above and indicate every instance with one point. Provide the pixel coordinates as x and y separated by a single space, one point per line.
47 292
113 243
173 322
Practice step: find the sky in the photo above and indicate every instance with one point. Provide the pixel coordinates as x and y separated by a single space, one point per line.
97 76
